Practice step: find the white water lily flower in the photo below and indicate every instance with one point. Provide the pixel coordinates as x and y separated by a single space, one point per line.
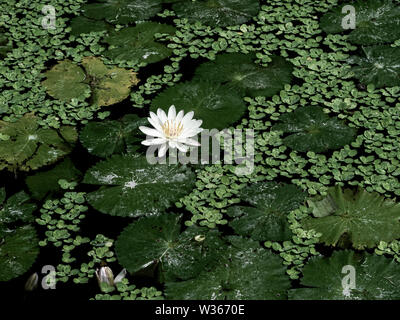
172 131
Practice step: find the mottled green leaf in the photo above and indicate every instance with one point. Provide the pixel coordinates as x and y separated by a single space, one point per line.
240 72
132 187
217 105
376 278
31 147
310 129
137 44
379 66
376 22
218 12
364 218
158 240
246 272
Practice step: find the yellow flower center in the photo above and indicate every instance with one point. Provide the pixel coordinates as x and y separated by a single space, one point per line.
172 129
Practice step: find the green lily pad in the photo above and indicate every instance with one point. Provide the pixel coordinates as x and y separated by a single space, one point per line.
217 105
122 11
131 187
45 183
311 129
158 240
218 12
18 251
106 85
137 44
29 147
16 209
380 66
267 220
82 24
109 137
376 22
246 272
240 72
363 218
376 278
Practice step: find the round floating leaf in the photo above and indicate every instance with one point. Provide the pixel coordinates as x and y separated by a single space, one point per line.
361 217
15 209
122 11
217 105
108 137
46 183
313 130
30 147
376 278
82 24
376 22
157 239
65 81
132 187
246 272
108 85
380 66
137 44
240 72
268 219
218 12
18 251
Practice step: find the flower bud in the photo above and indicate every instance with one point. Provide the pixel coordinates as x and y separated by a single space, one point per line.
120 276
105 275
32 282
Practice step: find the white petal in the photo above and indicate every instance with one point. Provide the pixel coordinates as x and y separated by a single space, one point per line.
173 144
155 119
187 118
151 142
162 150
151 132
190 132
192 142
161 115
179 116
182 147
156 124
172 113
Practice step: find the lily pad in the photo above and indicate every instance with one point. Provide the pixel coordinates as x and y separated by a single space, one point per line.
109 137
218 12
158 240
106 85
311 129
217 105
137 44
29 147
131 187
16 209
380 66
376 22
363 218
376 278
18 240
246 272
240 72
122 11
45 183
18 251
267 220
82 24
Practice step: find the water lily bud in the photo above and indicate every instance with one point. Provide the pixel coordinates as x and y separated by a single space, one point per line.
32 282
120 276
105 275
200 237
